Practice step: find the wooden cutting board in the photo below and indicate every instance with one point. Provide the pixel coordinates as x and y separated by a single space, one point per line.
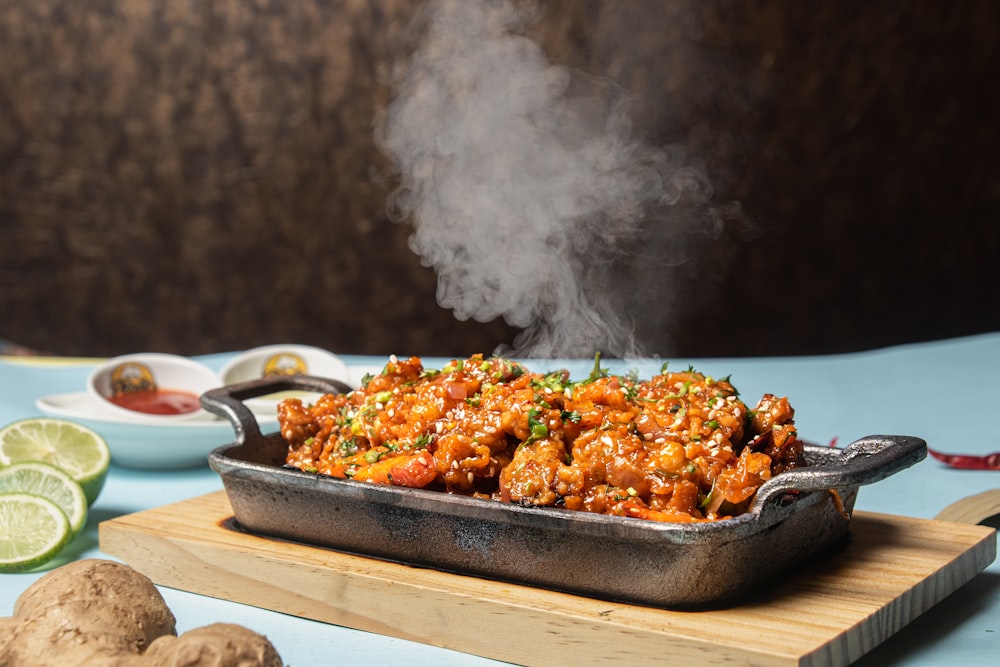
832 613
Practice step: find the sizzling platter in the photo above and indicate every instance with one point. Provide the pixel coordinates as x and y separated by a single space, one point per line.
791 517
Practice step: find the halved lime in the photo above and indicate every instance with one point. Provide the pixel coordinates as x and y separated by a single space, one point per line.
32 531
42 479
73 448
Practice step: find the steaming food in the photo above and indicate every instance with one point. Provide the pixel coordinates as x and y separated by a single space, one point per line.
681 446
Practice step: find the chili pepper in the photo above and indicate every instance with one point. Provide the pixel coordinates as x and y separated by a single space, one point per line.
968 461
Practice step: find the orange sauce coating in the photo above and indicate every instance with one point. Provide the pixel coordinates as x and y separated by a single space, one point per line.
680 446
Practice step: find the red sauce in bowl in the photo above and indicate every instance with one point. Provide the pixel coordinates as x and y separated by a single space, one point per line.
158 402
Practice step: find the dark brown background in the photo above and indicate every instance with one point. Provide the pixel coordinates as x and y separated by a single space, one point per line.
201 176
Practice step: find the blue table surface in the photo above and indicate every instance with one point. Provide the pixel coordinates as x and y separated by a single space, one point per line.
946 392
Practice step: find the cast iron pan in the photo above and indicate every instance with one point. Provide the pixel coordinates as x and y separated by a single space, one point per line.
793 518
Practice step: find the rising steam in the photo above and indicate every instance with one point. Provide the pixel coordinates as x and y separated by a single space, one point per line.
523 183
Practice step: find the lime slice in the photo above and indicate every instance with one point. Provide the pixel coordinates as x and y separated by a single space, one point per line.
32 531
75 449
42 479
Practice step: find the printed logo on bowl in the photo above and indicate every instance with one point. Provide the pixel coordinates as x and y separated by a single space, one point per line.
131 377
285 363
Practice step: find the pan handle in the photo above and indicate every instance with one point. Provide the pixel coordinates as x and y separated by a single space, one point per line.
862 462
227 401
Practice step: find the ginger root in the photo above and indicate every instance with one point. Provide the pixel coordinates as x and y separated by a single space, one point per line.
100 612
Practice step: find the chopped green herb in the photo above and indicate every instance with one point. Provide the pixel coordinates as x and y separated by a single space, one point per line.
597 372
538 428
682 392
570 416
554 381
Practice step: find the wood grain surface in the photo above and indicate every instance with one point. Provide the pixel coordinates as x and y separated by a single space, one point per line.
830 613
973 509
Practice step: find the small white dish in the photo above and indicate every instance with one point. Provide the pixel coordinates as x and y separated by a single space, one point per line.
135 442
277 360
270 360
151 387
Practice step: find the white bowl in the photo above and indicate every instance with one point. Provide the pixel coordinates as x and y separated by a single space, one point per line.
135 442
283 360
130 373
288 359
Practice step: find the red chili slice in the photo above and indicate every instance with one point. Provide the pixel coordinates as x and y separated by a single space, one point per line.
969 461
